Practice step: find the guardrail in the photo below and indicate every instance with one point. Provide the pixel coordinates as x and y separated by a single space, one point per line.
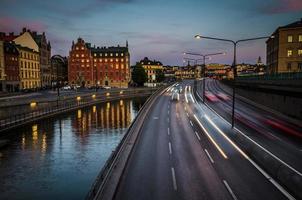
102 178
276 76
68 105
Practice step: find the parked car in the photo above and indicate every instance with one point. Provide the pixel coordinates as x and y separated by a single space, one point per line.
67 87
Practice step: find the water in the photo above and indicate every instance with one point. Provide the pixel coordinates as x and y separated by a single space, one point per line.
60 158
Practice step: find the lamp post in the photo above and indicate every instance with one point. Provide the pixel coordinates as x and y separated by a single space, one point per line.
204 57
234 62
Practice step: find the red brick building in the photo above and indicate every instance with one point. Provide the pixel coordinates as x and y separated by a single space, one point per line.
11 60
101 66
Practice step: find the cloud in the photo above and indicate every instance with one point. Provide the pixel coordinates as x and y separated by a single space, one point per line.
282 6
11 24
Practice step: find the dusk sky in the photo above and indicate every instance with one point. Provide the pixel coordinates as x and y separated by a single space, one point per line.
158 29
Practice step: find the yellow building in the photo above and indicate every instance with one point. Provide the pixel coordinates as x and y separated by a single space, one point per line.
284 50
150 68
29 61
188 72
29 68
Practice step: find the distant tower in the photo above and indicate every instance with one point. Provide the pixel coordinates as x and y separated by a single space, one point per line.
259 62
127 43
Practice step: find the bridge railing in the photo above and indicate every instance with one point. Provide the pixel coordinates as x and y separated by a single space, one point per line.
275 76
61 106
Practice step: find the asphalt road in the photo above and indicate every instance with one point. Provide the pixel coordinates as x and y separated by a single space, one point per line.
180 154
274 132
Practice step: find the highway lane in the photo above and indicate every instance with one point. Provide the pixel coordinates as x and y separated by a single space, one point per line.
175 159
250 120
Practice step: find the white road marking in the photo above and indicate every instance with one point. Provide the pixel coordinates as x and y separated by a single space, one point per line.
168 131
174 179
230 190
168 119
191 123
197 135
209 156
155 118
170 148
168 112
187 114
277 185
211 139
186 94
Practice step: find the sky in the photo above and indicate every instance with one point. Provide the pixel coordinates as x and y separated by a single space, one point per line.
157 29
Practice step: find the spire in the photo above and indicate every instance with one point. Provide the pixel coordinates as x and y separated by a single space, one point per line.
127 43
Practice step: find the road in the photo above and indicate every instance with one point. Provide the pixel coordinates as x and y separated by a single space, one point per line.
180 154
274 132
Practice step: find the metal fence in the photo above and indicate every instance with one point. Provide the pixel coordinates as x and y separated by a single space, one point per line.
67 105
275 76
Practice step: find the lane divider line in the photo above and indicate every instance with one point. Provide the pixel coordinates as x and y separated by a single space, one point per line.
209 156
174 179
170 148
168 131
266 175
211 139
230 190
191 123
197 135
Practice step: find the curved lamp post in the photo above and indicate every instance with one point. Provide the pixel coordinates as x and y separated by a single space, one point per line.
234 61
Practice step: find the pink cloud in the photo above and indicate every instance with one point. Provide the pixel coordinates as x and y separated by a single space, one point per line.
286 6
11 24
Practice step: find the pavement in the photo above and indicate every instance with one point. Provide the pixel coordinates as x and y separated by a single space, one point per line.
183 153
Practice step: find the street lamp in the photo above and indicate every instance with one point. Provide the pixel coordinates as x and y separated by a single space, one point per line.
204 57
234 61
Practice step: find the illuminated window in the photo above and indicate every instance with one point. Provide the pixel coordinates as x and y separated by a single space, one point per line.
116 54
300 38
82 60
82 55
122 54
122 60
105 54
116 66
87 65
116 60
111 54
77 48
100 60
289 53
290 38
77 55
111 60
82 48
94 60
106 60
299 52
87 60
94 54
122 66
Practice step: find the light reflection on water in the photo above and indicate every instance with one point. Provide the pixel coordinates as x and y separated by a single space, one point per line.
61 157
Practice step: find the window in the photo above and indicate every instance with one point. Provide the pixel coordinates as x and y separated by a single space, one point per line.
82 48
111 54
82 55
289 66
77 48
111 60
299 52
289 38
300 67
289 53
87 60
77 55
94 54
116 54
122 54
300 38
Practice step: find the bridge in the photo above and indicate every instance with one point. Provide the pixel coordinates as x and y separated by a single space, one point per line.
188 150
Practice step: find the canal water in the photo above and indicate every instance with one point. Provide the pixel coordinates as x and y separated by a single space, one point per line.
60 158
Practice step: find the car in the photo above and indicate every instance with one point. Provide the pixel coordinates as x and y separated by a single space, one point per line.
223 96
106 87
175 96
211 97
67 87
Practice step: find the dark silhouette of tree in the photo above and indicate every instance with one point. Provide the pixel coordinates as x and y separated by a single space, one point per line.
139 76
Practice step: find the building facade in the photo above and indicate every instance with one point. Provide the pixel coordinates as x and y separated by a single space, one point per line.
2 71
98 66
29 68
284 50
11 60
150 68
45 54
188 72
59 69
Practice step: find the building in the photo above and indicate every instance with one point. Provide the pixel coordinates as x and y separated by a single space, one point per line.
29 61
98 66
151 68
45 54
188 72
284 49
2 71
59 69
216 70
11 60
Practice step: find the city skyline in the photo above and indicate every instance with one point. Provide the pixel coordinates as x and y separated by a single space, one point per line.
158 29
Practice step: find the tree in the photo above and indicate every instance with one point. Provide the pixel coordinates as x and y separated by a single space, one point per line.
160 76
139 76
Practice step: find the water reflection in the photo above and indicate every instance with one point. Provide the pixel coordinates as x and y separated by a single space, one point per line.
60 157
